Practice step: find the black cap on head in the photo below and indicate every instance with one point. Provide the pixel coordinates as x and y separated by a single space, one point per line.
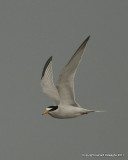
53 108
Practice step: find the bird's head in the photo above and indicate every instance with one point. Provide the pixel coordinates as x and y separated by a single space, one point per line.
50 109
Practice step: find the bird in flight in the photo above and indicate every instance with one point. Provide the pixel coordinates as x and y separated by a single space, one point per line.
63 93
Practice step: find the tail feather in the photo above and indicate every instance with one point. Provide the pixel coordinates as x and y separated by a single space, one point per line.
88 111
99 111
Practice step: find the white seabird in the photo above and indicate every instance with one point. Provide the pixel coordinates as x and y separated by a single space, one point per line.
63 93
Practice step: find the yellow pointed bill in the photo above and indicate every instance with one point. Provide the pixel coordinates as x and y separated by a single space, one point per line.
46 112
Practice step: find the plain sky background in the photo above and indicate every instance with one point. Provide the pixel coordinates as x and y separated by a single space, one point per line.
33 30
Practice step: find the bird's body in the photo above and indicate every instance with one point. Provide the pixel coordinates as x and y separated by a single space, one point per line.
67 112
63 93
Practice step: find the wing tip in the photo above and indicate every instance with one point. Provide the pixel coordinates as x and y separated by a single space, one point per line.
88 37
83 44
45 66
86 40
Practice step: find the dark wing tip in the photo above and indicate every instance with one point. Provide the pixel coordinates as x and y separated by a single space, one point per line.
81 47
85 41
45 66
88 38
83 44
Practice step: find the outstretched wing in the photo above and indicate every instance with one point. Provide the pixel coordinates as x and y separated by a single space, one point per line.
65 83
47 83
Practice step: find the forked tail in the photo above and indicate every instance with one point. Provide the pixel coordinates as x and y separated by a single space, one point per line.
99 111
88 111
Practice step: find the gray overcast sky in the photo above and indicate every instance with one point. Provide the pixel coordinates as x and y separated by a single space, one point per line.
30 32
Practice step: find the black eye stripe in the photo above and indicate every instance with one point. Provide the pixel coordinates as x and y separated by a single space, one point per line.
53 108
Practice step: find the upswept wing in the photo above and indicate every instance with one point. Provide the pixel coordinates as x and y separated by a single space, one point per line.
47 83
65 84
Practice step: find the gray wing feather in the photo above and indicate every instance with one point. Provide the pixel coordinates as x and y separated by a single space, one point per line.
47 83
65 84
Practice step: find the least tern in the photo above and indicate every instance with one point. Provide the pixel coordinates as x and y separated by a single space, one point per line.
63 93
